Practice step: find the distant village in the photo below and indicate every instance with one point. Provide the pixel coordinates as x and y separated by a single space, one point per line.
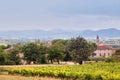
107 41
105 47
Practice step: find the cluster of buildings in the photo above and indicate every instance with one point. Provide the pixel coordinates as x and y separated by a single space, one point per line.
103 50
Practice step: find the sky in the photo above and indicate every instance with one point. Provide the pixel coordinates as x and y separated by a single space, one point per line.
59 14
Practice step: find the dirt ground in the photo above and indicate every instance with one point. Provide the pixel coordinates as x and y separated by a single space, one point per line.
15 77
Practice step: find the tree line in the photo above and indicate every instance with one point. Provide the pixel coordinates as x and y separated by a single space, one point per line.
74 49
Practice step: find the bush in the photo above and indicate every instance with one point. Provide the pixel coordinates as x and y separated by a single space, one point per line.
109 60
9 62
97 59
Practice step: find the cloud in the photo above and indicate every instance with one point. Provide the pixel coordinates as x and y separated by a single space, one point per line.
81 22
59 14
77 22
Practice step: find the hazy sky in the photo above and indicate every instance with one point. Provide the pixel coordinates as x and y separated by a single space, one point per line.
59 14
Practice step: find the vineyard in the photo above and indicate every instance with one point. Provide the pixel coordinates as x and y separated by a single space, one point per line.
96 71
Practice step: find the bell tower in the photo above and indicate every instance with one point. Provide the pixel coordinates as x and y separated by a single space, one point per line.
97 40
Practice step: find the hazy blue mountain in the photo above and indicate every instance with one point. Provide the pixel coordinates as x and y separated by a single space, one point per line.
53 34
104 33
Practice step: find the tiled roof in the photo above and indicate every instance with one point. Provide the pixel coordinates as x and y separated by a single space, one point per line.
104 47
8 49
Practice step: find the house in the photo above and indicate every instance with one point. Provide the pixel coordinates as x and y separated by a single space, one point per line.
103 50
49 43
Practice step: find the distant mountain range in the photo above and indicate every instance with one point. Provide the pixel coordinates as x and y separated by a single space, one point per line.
64 34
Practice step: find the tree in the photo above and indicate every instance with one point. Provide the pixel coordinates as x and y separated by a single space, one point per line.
67 57
31 52
3 56
56 51
79 49
13 55
42 54
51 54
92 47
116 56
61 41
64 43
36 53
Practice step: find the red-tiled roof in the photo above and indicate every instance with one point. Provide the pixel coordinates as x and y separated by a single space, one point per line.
104 47
8 49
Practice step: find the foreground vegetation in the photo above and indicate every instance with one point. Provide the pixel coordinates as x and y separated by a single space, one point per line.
93 71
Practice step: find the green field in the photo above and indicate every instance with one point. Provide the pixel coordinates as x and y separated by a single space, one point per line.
93 71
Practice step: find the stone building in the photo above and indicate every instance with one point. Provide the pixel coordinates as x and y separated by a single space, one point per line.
103 50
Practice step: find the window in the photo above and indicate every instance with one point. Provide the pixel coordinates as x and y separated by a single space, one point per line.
104 54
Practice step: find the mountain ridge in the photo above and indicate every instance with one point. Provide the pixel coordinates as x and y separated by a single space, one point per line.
64 34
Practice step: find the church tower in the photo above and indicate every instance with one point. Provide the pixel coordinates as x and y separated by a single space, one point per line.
97 40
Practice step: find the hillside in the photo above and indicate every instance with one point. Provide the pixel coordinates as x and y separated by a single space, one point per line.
53 34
